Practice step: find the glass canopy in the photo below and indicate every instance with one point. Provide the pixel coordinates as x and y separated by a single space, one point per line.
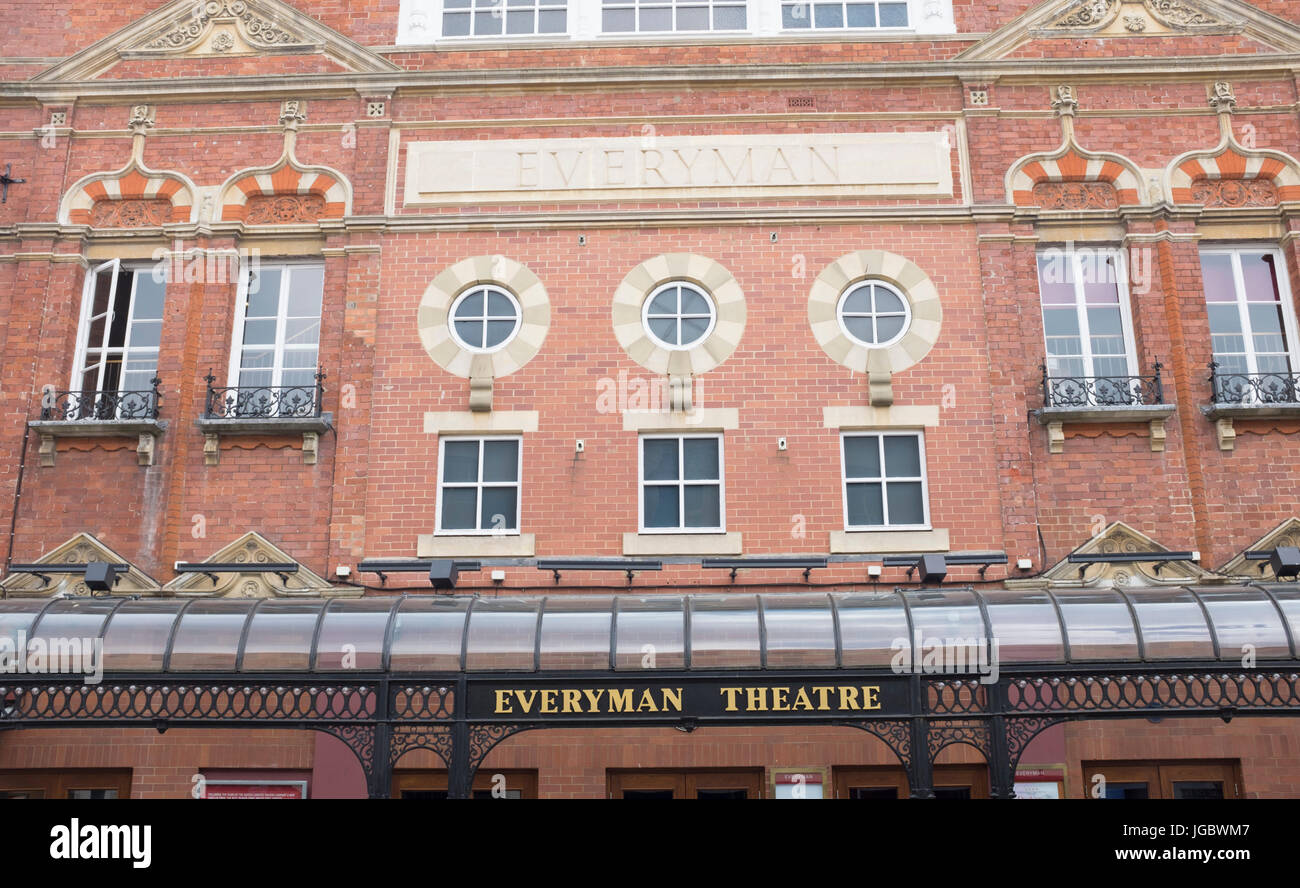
631 632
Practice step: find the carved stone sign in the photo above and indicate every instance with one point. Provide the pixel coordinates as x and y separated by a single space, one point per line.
746 167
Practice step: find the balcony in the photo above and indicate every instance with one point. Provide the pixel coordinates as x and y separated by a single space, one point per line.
100 414
1103 400
264 411
1250 396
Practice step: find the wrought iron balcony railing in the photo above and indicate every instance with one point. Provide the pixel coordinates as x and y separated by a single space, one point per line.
1252 389
265 402
87 406
1103 391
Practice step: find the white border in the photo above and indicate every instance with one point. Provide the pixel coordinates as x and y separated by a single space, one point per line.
884 495
679 283
1238 279
876 282
473 288
681 499
1081 308
241 301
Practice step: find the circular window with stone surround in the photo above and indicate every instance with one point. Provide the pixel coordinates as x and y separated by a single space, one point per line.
889 272
459 286
640 300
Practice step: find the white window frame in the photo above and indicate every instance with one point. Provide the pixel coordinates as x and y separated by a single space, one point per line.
881 434
1234 251
635 6
874 315
476 288
478 486
84 322
668 285
241 304
1081 306
569 9
812 28
681 483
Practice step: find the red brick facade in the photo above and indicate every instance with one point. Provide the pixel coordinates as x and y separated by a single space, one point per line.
993 484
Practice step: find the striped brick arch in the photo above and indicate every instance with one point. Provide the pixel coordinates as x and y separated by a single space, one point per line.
1233 176
284 195
1071 178
132 198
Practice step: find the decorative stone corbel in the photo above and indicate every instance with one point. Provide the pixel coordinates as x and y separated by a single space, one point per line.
1157 435
880 384
680 395
211 450
310 446
292 113
1065 104
480 384
144 449
1226 434
1056 437
1224 101
47 450
142 117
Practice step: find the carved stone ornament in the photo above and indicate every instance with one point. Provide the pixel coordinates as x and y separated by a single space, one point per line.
141 118
1063 101
258 30
1223 98
223 42
1089 14
292 112
1177 14
284 209
1234 193
1135 24
131 213
1076 196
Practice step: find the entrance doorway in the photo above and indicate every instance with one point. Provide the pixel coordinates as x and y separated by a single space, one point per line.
740 783
950 782
69 784
1162 780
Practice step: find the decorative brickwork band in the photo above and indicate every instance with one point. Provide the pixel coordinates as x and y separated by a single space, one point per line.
1233 176
133 197
1076 196
284 194
1105 177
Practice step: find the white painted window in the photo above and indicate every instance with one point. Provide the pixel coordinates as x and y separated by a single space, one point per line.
874 313
1252 324
839 15
277 329
497 18
485 318
884 481
117 338
648 16
682 488
478 485
679 315
1087 325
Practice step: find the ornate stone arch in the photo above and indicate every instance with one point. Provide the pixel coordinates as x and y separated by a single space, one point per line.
132 197
1073 178
285 193
1230 175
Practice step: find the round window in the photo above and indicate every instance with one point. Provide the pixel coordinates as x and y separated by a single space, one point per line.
484 318
679 315
874 314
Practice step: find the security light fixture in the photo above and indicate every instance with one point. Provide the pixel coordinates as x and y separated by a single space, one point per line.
1285 561
934 565
630 565
100 576
85 570
807 565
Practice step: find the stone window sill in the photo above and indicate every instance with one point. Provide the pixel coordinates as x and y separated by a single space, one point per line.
888 542
1056 418
310 427
518 545
682 543
1224 414
146 431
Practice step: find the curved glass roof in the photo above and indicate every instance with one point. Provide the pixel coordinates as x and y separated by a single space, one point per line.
629 632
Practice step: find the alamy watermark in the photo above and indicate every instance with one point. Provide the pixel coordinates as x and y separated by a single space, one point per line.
55 655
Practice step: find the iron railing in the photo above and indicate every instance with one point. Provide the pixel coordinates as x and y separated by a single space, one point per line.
1103 391
101 406
1254 388
264 402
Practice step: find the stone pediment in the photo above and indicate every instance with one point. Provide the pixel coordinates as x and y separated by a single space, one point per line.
81 549
1119 19
1285 534
1119 538
218 29
255 551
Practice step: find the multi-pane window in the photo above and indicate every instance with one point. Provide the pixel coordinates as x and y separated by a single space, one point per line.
117 342
874 314
277 327
485 319
620 16
1251 322
884 481
681 483
478 18
844 15
478 485
678 315
1086 324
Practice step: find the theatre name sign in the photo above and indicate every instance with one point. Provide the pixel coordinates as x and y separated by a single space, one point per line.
690 698
688 167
